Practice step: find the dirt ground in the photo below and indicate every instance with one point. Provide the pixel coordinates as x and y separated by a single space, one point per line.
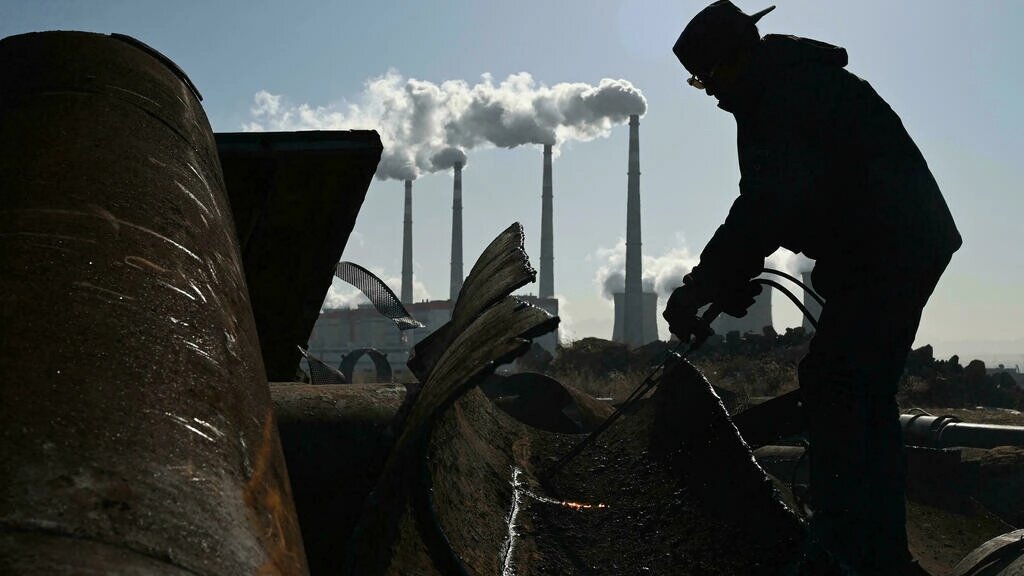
653 522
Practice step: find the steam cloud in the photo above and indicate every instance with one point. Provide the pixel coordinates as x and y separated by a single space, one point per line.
424 126
789 262
661 274
448 158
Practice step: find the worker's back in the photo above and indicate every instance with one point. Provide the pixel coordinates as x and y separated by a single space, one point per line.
822 143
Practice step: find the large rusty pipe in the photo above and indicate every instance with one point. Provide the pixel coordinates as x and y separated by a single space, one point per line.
137 432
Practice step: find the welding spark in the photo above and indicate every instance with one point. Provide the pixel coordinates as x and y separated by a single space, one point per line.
565 503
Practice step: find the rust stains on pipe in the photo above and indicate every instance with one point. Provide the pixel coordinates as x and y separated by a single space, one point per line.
137 431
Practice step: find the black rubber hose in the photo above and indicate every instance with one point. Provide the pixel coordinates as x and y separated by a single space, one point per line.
807 290
792 297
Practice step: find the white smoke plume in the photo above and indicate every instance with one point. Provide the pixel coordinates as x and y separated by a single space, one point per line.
448 158
419 120
342 295
789 262
566 331
661 274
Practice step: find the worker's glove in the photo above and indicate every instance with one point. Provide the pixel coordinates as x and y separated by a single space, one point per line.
681 312
736 301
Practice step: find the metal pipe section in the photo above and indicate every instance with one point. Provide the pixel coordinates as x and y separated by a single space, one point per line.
948 431
138 434
633 317
407 247
547 233
456 280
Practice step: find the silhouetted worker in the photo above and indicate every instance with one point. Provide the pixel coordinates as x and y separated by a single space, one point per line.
827 169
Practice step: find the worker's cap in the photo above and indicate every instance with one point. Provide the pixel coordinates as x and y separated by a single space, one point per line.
713 34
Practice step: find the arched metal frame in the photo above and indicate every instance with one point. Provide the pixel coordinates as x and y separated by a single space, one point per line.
380 361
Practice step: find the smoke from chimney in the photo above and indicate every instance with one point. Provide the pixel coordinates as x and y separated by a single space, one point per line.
417 120
547 241
406 295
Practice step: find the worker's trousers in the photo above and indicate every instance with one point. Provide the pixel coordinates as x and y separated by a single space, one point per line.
848 380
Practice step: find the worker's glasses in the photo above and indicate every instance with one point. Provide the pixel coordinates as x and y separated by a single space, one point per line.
702 84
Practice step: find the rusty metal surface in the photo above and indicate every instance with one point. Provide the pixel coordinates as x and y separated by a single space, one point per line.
295 197
335 440
1000 556
138 434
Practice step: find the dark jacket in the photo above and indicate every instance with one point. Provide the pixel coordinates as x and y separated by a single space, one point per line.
827 169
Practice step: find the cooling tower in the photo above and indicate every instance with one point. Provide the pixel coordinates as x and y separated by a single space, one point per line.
649 319
633 298
407 247
456 280
758 316
547 243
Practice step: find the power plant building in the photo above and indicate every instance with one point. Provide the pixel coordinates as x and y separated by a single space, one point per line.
338 333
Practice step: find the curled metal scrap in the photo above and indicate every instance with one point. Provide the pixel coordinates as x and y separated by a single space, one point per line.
1000 556
382 297
499 335
501 268
320 372
488 327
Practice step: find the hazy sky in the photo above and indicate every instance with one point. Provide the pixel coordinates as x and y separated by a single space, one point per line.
950 69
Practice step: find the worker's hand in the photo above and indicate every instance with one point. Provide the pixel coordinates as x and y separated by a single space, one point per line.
681 312
736 301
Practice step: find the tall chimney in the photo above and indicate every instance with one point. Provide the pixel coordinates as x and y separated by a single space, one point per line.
633 317
407 247
547 242
456 281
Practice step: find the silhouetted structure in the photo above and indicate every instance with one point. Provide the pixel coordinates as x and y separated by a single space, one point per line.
547 240
456 279
633 303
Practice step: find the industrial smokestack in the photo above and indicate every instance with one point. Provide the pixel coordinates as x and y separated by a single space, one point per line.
633 317
407 247
456 281
547 242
